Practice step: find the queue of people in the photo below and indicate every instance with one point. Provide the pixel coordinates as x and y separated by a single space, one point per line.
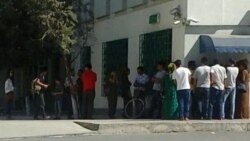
219 92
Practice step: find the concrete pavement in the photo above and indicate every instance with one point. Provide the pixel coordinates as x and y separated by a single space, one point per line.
163 126
44 128
31 128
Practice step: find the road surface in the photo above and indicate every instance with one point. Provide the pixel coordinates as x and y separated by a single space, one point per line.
195 136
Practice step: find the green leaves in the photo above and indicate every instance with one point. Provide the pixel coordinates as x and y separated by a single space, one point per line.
36 27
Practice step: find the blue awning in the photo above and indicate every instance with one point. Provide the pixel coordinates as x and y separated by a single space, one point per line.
232 44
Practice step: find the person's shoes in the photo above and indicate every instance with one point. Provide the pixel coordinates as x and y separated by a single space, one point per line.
182 119
70 117
46 117
186 119
36 118
9 118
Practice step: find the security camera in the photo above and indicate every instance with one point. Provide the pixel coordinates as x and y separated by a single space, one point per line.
192 20
174 11
177 22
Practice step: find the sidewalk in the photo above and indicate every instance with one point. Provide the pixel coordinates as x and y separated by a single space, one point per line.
39 128
163 126
43 128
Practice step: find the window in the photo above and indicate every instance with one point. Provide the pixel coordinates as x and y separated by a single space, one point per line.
155 47
115 57
85 56
118 5
102 8
134 3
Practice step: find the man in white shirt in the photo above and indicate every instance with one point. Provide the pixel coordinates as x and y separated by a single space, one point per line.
218 77
230 88
182 77
202 83
156 102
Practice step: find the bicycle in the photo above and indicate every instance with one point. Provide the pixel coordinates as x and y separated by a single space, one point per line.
136 106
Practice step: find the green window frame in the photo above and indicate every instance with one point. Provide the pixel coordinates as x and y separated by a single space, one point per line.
155 47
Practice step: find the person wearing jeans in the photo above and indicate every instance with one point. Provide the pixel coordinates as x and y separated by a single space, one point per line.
183 97
182 77
202 83
216 103
230 90
218 77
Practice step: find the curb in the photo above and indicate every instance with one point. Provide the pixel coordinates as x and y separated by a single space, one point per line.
146 127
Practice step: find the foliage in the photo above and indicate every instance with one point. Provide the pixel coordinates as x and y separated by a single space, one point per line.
32 29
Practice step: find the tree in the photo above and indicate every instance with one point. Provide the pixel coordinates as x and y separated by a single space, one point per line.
35 28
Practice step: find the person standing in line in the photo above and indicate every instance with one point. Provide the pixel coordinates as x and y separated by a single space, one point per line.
202 85
88 78
182 78
230 88
140 84
38 88
111 90
71 99
58 96
194 110
9 93
218 77
125 85
170 103
156 102
242 96
79 87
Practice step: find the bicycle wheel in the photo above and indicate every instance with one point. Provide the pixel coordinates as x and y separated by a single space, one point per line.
134 108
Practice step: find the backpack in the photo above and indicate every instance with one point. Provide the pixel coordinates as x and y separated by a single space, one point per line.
34 86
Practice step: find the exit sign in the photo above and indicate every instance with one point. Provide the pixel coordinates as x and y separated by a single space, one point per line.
154 19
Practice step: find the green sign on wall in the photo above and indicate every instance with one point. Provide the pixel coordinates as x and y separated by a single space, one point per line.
155 18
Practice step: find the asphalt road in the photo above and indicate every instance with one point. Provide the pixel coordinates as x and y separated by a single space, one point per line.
196 136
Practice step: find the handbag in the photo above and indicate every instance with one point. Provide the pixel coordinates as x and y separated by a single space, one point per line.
241 88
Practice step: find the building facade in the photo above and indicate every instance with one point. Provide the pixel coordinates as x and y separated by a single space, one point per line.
129 33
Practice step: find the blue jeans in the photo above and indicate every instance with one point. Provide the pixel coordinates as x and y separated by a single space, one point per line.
216 103
183 97
58 105
229 93
202 95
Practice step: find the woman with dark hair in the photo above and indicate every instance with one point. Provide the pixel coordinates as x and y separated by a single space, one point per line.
242 97
9 93
111 87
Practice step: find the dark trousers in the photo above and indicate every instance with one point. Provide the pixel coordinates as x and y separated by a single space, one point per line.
156 104
9 104
39 104
183 97
58 105
68 103
112 103
202 95
88 104
216 103
80 114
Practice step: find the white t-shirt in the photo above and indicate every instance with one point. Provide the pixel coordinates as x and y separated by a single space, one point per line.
9 87
232 73
218 76
182 75
202 75
159 75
